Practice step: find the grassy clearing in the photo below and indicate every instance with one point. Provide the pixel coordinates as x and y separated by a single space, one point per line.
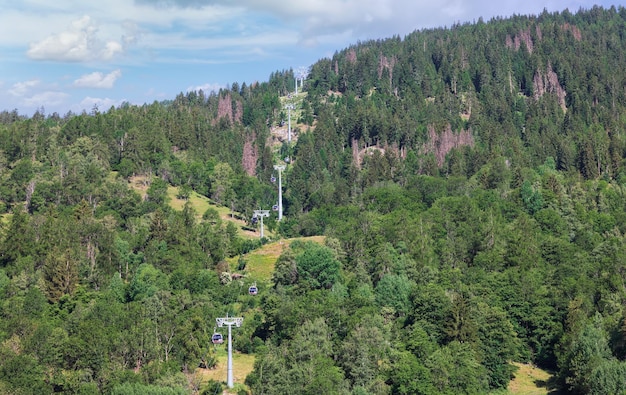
243 364
530 380
139 184
260 263
5 219
199 203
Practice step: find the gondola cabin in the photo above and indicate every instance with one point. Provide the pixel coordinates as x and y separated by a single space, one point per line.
275 207
253 290
273 179
217 338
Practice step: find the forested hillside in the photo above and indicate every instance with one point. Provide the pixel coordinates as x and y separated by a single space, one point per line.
470 183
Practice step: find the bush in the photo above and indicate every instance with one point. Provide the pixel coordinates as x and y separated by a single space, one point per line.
142 389
213 387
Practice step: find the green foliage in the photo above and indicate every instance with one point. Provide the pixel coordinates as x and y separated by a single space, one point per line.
304 367
137 389
410 376
60 273
393 291
221 183
609 377
157 193
589 353
317 267
455 369
23 374
17 242
4 282
362 349
431 307
212 387
146 282
532 199
285 269
498 342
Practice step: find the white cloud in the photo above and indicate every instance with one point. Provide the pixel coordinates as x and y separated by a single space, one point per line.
32 94
206 88
132 32
111 48
79 43
123 22
98 80
45 99
316 21
21 89
232 44
103 104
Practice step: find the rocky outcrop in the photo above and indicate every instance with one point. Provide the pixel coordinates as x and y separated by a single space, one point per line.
548 82
440 144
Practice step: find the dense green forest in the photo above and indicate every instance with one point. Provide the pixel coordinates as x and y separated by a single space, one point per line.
470 183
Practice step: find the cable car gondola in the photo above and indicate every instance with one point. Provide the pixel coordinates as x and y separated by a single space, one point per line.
217 338
275 207
273 179
253 290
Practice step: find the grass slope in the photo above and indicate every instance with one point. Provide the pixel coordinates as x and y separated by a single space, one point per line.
243 364
260 263
530 380
199 203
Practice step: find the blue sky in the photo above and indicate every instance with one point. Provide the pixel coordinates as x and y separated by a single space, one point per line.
72 55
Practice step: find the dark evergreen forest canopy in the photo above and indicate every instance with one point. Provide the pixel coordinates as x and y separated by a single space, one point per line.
470 183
